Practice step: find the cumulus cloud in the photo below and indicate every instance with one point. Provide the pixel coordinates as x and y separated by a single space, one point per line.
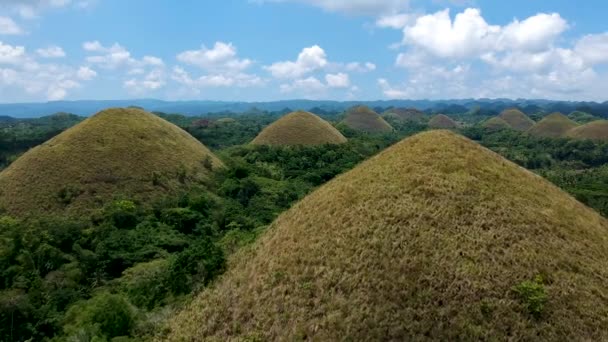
340 80
593 49
154 80
241 80
310 87
360 67
310 59
223 56
11 54
51 52
469 34
85 73
9 27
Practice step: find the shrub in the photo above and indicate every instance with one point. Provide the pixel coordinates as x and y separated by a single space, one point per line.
533 295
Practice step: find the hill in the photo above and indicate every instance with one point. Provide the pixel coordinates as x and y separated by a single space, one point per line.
362 118
552 126
404 114
116 153
435 238
495 124
516 119
299 128
582 117
441 121
595 130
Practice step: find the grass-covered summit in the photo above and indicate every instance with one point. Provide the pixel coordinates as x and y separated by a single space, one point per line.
404 114
495 124
117 153
594 130
435 238
554 125
441 121
363 118
517 119
299 128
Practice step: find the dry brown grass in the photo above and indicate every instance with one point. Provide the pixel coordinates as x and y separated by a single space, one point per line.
554 125
404 114
495 124
517 119
299 128
116 153
442 121
595 130
424 241
362 118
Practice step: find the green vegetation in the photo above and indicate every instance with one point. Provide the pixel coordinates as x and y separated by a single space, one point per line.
404 115
409 245
362 118
116 153
441 121
517 119
495 124
554 125
299 128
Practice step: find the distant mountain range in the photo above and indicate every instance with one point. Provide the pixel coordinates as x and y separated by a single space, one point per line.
481 106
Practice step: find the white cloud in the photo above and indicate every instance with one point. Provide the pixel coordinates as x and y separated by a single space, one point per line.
223 56
11 54
154 80
395 21
357 7
310 86
593 48
340 80
85 73
51 52
151 60
470 35
360 67
93 46
310 59
9 27
109 57
30 9
241 80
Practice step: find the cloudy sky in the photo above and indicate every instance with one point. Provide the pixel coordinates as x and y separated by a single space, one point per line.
258 50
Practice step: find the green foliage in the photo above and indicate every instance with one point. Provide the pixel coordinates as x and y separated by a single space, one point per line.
532 295
143 284
198 264
104 316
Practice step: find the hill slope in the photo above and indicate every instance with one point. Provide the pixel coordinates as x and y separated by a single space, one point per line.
404 114
552 126
299 128
428 240
441 121
595 130
362 118
117 152
517 119
495 123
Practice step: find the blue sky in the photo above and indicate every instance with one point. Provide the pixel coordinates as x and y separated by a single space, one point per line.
259 50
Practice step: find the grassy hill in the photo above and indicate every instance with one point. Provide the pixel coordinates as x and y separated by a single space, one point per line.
595 130
495 124
517 119
299 128
364 119
404 114
435 238
116 153
552 126
582 117
441 121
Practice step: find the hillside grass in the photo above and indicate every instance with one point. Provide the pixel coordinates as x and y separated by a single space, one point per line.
362 118
442 121
404 115
495 124
595 130
117 153
299 128
435 238
517 119
554 125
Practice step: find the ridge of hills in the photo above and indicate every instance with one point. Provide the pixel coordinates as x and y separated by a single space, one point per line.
299 128
362 118
435 238
554 125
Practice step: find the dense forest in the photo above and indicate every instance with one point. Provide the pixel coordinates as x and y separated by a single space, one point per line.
115 275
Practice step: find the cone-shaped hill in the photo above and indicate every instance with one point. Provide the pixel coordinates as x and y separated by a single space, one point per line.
299 128
362 118
495 124
115 153
404 114
441 121
595 130
435 238
552 126
517 119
